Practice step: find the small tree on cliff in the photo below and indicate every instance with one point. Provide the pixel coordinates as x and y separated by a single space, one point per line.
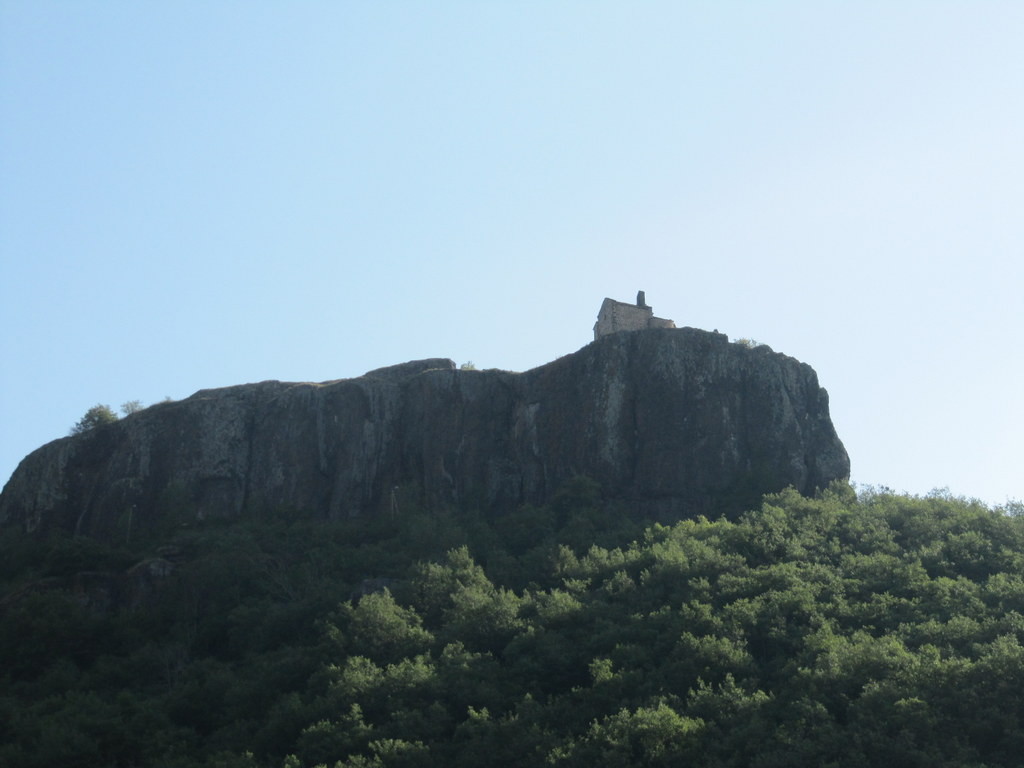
94 417
132 406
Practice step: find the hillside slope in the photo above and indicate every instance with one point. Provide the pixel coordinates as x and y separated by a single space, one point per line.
836 631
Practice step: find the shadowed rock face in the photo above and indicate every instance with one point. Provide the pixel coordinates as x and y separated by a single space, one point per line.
674 422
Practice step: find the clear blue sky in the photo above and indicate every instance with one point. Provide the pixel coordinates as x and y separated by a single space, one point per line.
200 194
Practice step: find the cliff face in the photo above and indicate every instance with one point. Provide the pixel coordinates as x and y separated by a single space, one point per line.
674 422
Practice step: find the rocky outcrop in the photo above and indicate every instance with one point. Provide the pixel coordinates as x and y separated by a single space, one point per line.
671 422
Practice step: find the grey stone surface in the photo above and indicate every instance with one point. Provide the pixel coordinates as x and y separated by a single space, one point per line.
617 316
671 422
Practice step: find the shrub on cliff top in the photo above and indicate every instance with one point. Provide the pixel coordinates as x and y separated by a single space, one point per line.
94 417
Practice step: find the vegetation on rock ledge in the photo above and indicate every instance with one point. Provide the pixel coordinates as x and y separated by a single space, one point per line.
842 630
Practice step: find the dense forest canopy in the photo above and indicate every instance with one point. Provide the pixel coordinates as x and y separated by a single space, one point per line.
850 629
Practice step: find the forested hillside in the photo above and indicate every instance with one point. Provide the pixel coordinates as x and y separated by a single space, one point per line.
844 630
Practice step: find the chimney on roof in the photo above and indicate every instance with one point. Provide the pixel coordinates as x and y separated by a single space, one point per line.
641 300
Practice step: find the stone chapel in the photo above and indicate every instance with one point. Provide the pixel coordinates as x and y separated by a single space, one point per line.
615 316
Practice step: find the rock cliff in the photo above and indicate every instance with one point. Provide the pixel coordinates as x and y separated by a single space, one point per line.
671 422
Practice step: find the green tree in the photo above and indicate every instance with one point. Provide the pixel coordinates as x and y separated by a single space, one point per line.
381 629
132 406
649 736
96 416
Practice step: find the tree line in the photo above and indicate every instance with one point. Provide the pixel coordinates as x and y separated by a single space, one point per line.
850 629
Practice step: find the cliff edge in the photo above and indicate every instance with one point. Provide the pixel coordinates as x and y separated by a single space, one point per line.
671 422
